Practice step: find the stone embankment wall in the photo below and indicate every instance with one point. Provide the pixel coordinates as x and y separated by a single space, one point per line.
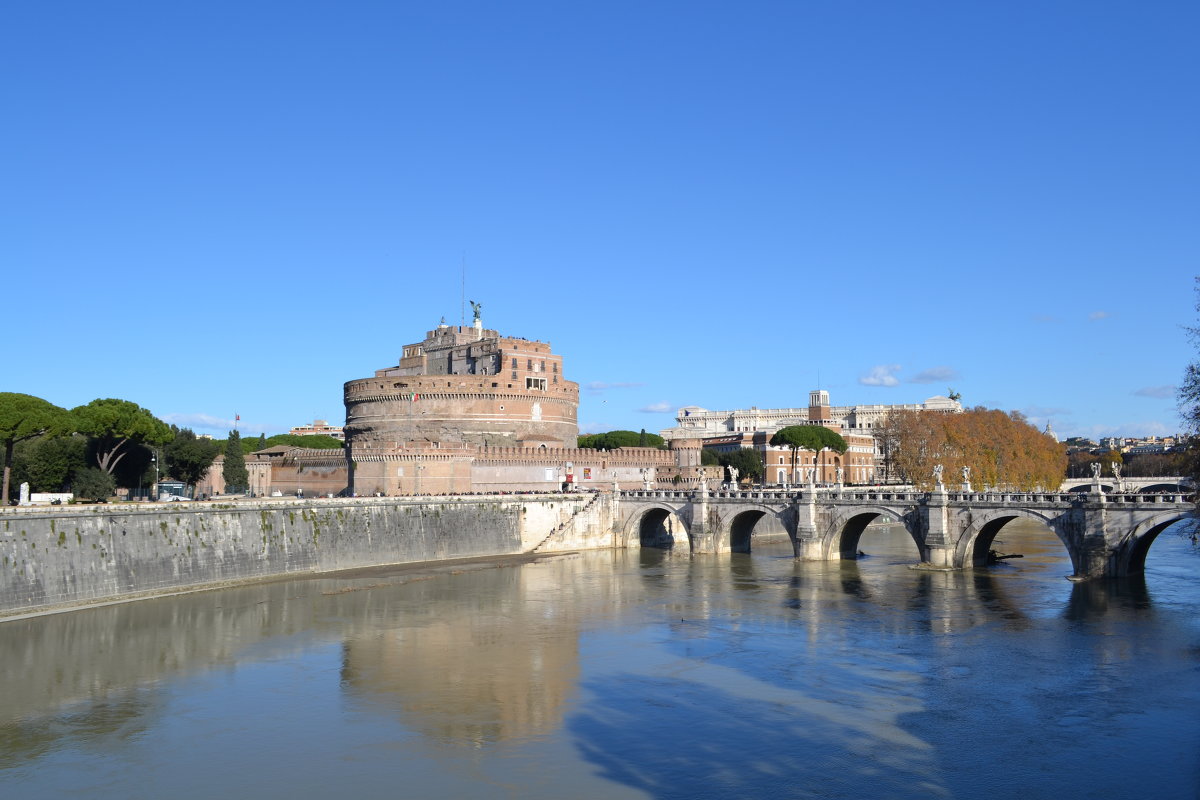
78 555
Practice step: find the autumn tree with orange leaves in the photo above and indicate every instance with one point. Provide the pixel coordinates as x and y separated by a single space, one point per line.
1002 449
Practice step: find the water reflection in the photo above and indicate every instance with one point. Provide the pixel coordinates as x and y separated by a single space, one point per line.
485 667
643 672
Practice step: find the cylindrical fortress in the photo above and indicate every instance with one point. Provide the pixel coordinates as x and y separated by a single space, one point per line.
465 385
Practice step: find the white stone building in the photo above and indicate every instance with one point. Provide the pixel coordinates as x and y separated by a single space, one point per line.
694 422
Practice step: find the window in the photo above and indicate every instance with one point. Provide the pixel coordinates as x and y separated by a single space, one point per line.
535 383
530 368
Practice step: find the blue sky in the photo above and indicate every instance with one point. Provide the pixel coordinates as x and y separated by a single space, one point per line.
228 208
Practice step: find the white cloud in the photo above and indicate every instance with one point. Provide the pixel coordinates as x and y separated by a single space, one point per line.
657 408
1156 391
881 375
1098 315
935 375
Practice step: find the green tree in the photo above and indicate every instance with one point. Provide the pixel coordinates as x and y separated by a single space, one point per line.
187 457
22 417
709 457
746 461
234 472
808 437
91 483
615 439
49 463
317 442
311 442
114 425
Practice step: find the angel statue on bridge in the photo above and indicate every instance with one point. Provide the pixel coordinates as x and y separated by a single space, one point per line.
937 474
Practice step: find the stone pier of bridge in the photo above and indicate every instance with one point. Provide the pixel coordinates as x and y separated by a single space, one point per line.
1105 534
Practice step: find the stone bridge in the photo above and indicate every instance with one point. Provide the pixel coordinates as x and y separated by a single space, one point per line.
1161 484
1106 534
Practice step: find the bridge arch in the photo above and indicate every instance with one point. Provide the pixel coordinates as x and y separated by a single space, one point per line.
1130 554
976 541
659 525
841 539
741 526
1162 487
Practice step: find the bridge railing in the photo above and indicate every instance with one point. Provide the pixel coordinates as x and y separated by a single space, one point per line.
852 495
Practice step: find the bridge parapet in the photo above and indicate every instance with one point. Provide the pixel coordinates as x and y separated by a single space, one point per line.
877 496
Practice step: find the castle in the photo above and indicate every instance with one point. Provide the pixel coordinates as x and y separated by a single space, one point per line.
464 410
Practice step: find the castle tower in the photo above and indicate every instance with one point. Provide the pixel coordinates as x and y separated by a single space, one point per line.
818 405
465 386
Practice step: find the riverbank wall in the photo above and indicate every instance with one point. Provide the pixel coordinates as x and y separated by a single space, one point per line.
64 557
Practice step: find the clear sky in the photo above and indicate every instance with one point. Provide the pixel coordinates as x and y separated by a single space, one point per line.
218 208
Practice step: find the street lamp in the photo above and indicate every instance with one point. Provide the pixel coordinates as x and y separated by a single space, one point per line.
154 461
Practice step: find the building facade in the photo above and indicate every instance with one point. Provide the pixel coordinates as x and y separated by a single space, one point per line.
696 422
752 428
319 427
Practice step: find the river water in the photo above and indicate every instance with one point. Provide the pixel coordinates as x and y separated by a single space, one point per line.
632 674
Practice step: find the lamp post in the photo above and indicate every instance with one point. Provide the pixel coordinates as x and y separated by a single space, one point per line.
154 461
